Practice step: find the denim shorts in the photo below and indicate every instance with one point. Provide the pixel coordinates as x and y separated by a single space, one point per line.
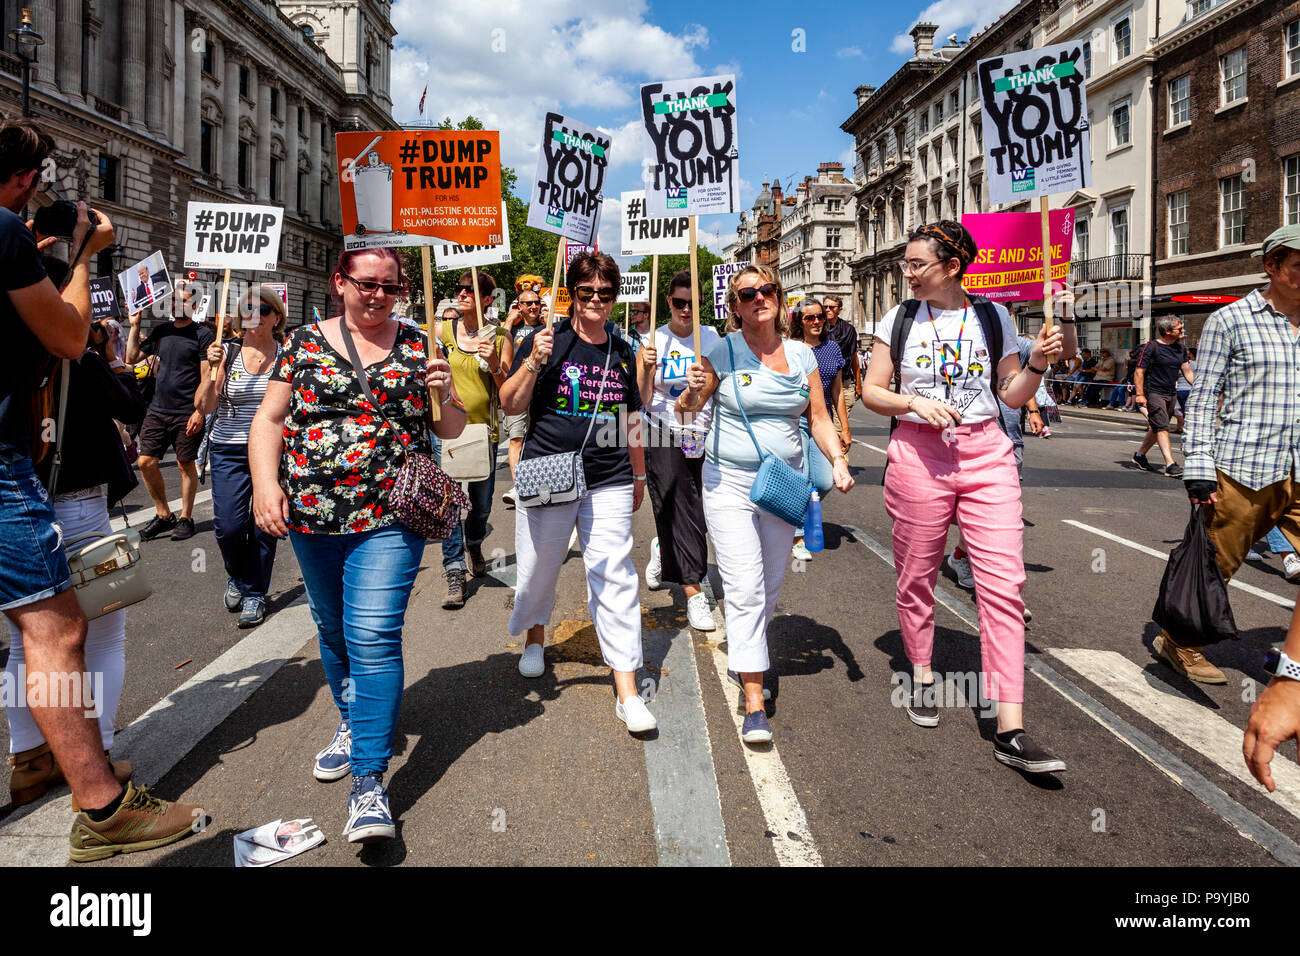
33 565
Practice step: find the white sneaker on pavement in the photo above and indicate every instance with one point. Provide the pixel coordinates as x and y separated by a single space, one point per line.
800 552
655 568
1253 555
509 496
533 661
635 714
698 613
961 568
1291 565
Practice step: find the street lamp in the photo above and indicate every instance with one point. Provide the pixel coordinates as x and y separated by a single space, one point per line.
875 285
27 40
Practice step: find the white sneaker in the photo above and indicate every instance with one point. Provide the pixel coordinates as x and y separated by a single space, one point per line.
509 496
698 613
1291 565
800 552
655 569
1253 555
533 661
961 568
635 714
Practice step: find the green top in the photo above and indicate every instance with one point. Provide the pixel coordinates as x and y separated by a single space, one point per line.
475 386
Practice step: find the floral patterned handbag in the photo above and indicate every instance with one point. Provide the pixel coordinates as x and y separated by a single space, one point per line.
423 499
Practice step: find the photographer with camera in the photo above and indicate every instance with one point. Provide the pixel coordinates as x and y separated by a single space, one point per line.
37 323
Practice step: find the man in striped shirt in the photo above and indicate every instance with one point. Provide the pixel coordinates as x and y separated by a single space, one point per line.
1241 456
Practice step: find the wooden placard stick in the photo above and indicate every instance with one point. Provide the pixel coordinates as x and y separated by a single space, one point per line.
654 294
1047 264
435 403
221 316
695 295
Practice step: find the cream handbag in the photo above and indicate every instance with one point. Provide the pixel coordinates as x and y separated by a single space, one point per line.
469 456
107 571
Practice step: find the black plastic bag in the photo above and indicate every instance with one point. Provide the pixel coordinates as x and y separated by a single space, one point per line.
1193 603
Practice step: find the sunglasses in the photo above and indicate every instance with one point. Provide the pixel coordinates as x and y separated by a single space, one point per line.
464 289
679 303
265 310
638 312
531 305
767 291
584 293
813 317
370 288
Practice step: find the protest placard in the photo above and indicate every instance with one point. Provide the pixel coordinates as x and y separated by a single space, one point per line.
722 274
420 188
561 310
232 236
645 235
144 283
201 313
448 257
691 146
569 188
282 288
103 301
634 287
1035 112
1009 266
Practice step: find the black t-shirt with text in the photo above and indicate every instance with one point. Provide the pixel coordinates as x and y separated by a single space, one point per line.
561 407
179 351
23 357
1162 364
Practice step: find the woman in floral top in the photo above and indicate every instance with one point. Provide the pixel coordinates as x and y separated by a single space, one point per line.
323 460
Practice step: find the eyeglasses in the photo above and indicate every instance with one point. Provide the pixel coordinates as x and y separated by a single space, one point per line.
464 290
813 317
584 293
679 303
534 304
638 311
767 291
914 265
265 309
370 288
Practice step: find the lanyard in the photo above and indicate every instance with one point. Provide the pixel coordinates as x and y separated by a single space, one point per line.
949 369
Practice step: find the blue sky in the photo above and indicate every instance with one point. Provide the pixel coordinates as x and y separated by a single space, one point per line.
508 62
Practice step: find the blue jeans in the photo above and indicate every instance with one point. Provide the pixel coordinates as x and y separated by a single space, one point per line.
819 469
247 550
1278 544
473 527
358 586
33 566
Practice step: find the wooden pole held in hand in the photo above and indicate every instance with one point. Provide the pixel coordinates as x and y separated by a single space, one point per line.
221 316
654 293
435 401
1047 264
695 295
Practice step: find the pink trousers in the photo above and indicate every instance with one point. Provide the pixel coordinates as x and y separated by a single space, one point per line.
928 483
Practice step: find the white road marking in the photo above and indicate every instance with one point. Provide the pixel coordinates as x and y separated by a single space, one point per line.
792 841
1164 556
1248 824
142 515
872 447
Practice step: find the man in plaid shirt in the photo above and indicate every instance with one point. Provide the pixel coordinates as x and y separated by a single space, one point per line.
1241 457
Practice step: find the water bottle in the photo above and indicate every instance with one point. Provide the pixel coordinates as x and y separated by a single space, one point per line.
812 524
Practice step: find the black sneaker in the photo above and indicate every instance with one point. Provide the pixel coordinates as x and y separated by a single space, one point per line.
184 529
924 709
252 612
477 566
158 527
1174 470
1141 462
1023 754
455 590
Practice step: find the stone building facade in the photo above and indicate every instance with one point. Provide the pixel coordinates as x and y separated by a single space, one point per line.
154 103
818 237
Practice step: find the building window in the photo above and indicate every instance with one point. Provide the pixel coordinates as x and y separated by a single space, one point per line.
205 147
1121 32
938 112
833 206
1232 211
924 155
1082 239
207 57
306 253
275 178
1087 59
302 121
243 177
307 31
976 194
898 220
938 156
833 237
978 130
952 206
1119 231
832 272
1119 124
1291 190
955 102
1232 77
1180 100
1291 55
920 210
1178 227
275 101
952 146
108 178
925 122
243 82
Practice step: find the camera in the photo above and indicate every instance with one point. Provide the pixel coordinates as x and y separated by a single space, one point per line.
60 219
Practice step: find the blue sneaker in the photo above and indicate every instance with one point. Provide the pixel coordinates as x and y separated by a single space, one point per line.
735 679
335 761
368 815
756 729
234 597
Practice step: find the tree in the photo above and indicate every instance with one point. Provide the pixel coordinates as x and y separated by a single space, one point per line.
669 266
532 250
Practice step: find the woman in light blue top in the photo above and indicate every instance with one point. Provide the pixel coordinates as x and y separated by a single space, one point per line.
775 381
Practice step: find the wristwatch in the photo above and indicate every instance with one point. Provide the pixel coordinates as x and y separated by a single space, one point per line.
1279 665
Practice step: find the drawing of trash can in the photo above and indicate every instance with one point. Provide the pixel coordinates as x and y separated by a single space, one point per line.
372 190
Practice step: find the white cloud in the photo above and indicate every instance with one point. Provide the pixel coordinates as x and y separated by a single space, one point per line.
962 17
849 51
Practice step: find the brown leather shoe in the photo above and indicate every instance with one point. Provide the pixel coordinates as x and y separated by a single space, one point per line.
35 771
1188 661
142 822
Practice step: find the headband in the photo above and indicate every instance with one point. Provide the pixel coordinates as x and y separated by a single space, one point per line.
938 233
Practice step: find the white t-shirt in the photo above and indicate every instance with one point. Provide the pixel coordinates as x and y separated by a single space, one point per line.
676 355
939 367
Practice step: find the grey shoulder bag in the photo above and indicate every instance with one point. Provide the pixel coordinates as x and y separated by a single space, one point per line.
560 478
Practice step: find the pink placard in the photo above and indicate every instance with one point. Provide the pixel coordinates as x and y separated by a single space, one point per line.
1009 267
